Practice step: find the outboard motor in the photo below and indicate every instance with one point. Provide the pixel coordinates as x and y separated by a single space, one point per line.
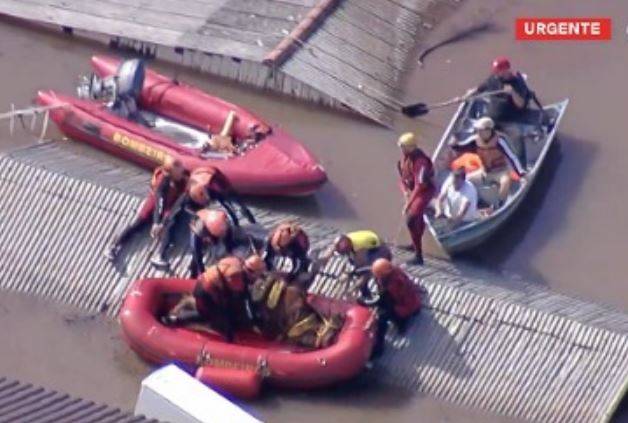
130 78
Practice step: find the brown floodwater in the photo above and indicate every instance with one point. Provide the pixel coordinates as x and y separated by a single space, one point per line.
570 235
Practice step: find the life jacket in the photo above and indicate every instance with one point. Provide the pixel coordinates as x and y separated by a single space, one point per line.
470 162
205 179
226 278
175 188
404 295
364 240
288 237
492 157
411 165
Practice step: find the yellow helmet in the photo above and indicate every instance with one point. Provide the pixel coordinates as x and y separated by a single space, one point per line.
407 140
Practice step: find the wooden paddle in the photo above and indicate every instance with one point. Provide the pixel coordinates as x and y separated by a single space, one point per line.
420 109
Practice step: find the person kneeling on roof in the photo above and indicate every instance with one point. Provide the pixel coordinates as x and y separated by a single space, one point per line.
361 248
288 240
458 199
209 228
498 159
398 300
206 185
167 185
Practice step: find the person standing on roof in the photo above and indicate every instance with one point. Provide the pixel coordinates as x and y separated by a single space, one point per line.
206 185
514 100
416 177
398 300
497 157
167 185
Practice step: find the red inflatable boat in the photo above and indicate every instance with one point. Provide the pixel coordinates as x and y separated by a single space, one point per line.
273 164
240 368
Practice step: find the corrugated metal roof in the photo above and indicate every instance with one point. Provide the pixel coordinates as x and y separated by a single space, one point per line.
355 55
25 403
526 353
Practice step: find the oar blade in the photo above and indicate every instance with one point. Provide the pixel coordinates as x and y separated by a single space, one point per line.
415 110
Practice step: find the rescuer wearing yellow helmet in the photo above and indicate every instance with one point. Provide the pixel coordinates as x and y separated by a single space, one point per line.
416 173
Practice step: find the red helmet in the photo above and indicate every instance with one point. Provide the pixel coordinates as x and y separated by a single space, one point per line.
343 245
381 268
501 64
215 221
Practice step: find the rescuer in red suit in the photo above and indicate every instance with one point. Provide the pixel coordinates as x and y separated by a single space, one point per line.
168 183
398 300
209 228
206 185
288 240
417 173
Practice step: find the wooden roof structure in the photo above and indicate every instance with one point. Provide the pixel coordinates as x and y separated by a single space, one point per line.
343 53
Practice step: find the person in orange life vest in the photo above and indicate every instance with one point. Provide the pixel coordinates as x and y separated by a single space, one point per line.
398 300
497 158
237 308
288 240
417 173
220 293
167 185
206 184
209 227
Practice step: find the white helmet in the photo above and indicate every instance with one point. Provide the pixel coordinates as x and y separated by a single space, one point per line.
484 123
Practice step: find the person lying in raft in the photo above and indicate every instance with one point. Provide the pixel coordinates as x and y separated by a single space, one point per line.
206 185
458 200
361 249
289 240
168 183
220 297
398 300
498 159
209 228
281 311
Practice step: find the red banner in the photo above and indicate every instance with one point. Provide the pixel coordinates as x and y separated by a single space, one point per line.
557 29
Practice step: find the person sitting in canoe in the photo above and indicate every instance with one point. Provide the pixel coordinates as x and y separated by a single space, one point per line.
458 199
167 185
498 159
515 98
288 240
209 228
219 299
398 300
206 185
281 311
361 248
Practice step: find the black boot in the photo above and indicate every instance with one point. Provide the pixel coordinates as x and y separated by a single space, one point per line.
417 260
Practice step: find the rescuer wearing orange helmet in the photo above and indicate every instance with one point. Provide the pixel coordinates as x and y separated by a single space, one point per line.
167 185
221 293
205 185
417 183
398 299
209 227
288 240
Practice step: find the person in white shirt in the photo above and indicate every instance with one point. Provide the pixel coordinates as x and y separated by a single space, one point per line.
458 199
